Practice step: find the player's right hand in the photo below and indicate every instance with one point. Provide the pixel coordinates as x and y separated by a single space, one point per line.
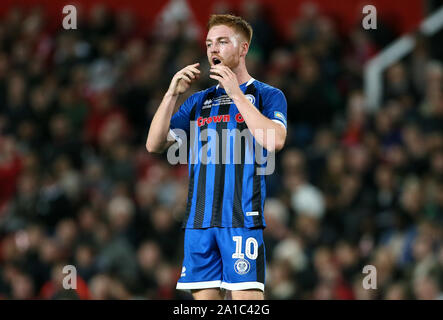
183 79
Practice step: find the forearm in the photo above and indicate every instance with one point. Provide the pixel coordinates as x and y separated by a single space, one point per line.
159 129
267 133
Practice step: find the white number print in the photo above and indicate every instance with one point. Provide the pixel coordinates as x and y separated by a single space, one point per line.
237 254
251 250
251 255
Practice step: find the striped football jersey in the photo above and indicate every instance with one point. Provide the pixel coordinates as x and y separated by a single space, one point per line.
225 188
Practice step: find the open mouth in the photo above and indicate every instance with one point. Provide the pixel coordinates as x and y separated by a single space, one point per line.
216 61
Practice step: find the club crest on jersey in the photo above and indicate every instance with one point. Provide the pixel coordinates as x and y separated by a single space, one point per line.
242 266
251 98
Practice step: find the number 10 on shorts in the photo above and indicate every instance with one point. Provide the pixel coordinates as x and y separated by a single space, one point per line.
251 250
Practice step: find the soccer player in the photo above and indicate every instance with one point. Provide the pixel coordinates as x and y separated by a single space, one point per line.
223 245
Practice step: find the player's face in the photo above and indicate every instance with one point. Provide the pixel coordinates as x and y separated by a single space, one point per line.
223 46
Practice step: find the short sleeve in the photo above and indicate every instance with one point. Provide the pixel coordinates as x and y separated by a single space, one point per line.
181 119
275 106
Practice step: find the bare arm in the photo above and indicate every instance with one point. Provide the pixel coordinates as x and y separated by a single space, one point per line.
260 126
267 132
157 140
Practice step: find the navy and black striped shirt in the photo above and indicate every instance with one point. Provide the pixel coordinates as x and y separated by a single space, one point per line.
224 187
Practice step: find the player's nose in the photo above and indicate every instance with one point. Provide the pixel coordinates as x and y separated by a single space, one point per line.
214 48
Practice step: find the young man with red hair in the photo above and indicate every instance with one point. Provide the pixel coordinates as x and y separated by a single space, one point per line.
224 219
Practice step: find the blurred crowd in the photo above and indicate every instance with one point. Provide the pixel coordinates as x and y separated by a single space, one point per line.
353 187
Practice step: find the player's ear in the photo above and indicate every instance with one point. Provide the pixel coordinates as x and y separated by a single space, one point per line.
244 48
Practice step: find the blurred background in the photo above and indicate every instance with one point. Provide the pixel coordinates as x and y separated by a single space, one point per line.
353 186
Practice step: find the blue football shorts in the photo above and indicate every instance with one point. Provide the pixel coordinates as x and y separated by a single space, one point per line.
226 258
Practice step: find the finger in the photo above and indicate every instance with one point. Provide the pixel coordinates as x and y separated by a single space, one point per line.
221 67
228 71
214 72
189 73
194 70
185 77
221 71
216 77
191 67
217 72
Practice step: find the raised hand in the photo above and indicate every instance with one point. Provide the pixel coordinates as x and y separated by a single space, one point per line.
227 79
183 79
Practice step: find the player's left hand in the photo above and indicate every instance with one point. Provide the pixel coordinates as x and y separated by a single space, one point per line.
227 79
